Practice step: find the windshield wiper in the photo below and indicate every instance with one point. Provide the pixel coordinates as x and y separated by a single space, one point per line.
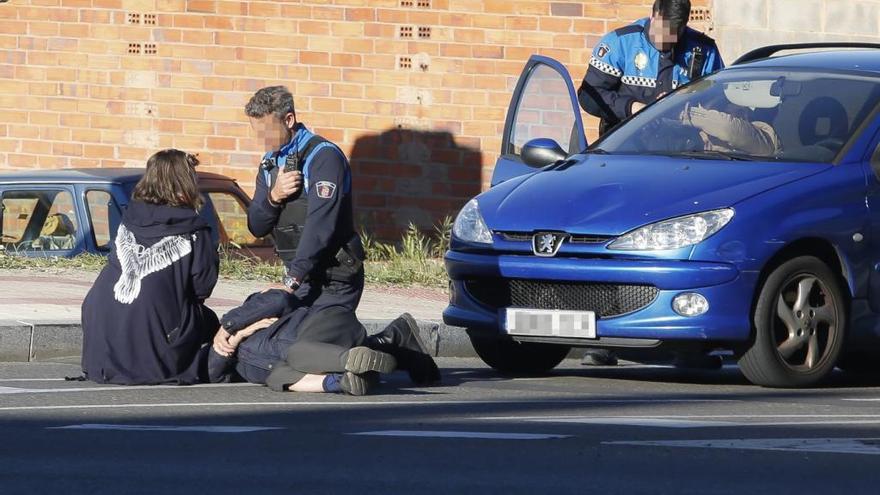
597 151
714 155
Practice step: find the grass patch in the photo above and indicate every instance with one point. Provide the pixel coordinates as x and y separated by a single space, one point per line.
415 260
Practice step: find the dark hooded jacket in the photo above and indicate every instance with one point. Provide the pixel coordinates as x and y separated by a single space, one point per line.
144 320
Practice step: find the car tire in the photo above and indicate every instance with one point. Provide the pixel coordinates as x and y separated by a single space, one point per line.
515 358
799 326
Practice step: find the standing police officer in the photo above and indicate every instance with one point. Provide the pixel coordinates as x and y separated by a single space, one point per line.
303 197
640 63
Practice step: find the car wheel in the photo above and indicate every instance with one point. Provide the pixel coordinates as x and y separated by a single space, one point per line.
511 357
799 322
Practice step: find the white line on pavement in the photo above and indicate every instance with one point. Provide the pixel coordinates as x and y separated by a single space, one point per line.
204 429
704 421
32 380
868 446
143 388
461 434
329 402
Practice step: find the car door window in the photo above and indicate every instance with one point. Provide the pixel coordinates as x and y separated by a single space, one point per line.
544 110
104 217
38 220
232 218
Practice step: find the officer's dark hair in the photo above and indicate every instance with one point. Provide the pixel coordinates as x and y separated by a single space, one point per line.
276 100
170 179
676 12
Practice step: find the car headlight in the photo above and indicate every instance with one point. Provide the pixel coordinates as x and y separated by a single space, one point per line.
469 225
674 233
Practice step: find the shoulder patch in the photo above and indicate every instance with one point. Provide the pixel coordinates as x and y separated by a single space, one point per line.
602 50
325 189
630 29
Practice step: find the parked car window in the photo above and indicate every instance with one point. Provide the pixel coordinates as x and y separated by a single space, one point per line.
766 115
104 216
38 220
232 217
544 110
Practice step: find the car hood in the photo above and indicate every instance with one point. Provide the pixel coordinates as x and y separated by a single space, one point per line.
611 195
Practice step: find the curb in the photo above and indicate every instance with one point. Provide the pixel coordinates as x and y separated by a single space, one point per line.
22 341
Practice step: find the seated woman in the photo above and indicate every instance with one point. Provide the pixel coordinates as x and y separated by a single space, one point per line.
144 320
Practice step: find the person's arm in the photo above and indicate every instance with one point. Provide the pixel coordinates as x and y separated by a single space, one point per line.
262 214
205 266
739 133
327 182
599 93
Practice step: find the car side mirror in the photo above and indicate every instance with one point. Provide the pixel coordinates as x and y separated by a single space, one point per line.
542 152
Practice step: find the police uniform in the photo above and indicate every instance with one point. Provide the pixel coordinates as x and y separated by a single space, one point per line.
626 68
314 229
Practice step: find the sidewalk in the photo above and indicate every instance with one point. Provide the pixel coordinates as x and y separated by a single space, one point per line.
40 312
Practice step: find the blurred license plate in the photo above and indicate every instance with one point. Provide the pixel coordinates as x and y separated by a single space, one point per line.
550 323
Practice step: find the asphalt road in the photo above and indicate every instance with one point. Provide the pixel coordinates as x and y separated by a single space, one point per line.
629 429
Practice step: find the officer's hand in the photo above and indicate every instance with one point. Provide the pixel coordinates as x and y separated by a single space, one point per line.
287 184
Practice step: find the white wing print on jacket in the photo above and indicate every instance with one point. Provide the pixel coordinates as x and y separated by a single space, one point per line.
138 261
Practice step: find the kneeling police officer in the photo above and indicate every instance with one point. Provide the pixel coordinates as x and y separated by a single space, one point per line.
303 197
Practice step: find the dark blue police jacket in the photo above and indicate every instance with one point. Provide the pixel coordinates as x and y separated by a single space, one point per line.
329 222
626 67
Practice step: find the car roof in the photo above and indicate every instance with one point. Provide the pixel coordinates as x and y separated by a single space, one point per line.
87 175
838 60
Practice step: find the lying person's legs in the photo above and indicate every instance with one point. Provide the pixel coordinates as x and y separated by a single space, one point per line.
401 340
330 341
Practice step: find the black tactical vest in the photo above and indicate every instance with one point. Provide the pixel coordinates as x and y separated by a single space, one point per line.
292 218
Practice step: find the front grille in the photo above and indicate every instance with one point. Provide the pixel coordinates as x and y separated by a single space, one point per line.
573 238
606 300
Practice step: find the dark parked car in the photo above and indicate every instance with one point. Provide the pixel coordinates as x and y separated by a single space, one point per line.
72 211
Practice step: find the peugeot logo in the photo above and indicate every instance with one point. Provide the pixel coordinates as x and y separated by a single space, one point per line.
547 243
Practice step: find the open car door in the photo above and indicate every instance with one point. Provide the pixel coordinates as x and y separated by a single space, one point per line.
544 105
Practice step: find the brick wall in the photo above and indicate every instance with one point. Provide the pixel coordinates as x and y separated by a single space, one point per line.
414 90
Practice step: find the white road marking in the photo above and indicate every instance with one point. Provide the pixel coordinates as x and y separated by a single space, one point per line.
204 429
867 446
461 434
143 388
704 421
651 422
342 402
33 380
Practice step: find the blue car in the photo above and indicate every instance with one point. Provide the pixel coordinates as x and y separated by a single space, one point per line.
739 215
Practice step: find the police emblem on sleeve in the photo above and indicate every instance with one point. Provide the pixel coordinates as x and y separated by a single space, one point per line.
602 50
641 60
325 189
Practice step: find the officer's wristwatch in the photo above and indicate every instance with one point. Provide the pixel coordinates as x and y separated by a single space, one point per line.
291 282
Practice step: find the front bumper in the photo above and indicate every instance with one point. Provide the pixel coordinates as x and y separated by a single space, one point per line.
728 291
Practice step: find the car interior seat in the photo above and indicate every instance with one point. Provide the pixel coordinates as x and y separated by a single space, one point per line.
823 126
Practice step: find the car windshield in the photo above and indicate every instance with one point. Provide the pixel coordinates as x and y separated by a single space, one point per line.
751 115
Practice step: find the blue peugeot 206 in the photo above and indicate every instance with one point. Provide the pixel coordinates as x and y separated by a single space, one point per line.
739 215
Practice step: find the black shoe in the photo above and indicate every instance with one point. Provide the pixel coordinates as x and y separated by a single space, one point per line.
599 357
401 339
360 360
354 384
697 361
